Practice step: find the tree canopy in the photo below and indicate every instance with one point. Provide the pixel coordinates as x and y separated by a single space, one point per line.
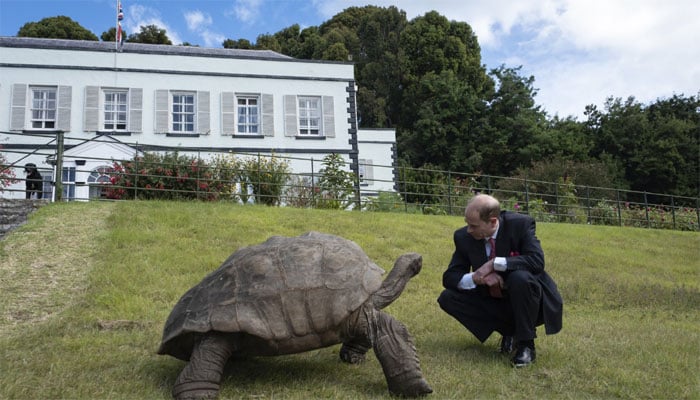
59 27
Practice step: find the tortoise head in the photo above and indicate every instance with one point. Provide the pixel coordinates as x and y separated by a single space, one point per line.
409 262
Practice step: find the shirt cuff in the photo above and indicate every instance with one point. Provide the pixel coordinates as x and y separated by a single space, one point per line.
500 264
467 283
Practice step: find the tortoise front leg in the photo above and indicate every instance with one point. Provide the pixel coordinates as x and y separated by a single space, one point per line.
396 352
201 377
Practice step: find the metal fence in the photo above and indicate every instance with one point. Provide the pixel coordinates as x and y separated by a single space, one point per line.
218 175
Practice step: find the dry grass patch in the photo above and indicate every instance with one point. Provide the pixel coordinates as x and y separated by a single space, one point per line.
44 266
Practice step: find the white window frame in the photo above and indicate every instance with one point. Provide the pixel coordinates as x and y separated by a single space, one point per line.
43 110
99 179
119 108
181 110
67 183
247 114
310 115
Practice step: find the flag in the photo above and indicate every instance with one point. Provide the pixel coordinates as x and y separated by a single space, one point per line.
120 16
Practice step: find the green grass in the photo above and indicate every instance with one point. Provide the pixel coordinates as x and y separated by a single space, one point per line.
86 289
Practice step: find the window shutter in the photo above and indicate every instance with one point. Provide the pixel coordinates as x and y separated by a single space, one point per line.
136 110
161 111
91 111
203 125
328 117
63 112
290 115
268 120
19 105
369 171
228 114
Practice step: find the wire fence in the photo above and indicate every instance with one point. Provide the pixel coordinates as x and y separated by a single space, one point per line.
281 180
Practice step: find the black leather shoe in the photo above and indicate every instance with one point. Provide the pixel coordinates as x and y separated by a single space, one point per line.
524 356
506 345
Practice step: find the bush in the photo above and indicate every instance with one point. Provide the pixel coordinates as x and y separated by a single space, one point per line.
164 176
267 176
336 185
7 175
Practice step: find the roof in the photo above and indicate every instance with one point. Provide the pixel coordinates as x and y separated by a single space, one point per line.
87 45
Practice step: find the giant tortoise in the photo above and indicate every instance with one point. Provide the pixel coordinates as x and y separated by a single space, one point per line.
289 295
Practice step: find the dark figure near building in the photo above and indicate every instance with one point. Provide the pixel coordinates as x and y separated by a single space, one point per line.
34 181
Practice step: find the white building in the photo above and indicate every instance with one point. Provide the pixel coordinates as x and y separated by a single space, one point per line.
108 103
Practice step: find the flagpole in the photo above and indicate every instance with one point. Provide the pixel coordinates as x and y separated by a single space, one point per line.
118 32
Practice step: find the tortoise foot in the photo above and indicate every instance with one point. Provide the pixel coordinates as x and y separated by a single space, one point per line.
353 354
409 385
196 391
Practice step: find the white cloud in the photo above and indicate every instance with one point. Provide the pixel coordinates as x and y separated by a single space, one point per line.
136 16
197 20
246 11
199 23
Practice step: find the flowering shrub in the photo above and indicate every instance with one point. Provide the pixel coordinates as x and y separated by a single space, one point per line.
7 175
165 176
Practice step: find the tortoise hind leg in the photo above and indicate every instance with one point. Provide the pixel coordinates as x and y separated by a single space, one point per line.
396 352
201 377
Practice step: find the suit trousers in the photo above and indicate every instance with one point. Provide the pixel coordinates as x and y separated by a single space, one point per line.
517 314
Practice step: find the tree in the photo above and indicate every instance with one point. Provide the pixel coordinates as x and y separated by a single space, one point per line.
445 120
237 44
59 27
150 34
111 35
515 124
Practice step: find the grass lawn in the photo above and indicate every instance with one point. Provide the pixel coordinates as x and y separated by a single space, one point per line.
86 289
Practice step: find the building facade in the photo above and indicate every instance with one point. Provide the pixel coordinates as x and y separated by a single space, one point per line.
110 104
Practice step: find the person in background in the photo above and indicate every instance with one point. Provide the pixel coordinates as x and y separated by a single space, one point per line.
506 290
34 182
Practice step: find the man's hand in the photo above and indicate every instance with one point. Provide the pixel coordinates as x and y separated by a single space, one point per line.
493 279
480 274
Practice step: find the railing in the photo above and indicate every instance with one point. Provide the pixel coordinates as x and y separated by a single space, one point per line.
249 178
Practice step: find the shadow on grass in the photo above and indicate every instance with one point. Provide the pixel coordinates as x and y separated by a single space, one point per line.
319 374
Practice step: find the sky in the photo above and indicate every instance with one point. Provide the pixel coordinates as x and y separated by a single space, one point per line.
579 52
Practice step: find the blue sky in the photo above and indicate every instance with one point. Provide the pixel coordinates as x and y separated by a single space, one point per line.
580 52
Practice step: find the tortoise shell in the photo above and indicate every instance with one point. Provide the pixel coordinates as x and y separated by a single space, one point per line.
285 289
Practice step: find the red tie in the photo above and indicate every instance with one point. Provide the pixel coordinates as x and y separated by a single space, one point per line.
494 291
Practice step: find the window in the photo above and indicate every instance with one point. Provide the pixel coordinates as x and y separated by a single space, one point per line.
68 179
309 116
183 113
115 110
248 115
43 108
99 180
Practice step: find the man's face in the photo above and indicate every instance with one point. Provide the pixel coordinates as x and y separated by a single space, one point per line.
480 229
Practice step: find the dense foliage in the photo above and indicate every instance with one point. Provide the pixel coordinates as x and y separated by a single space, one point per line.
59 27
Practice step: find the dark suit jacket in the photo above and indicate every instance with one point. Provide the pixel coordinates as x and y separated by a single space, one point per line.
516 240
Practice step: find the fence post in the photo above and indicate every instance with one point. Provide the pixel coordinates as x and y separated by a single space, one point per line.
588 202
527 198
313 185
449 193
646 210
136 178
619 208
556 202
673 212
58 178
